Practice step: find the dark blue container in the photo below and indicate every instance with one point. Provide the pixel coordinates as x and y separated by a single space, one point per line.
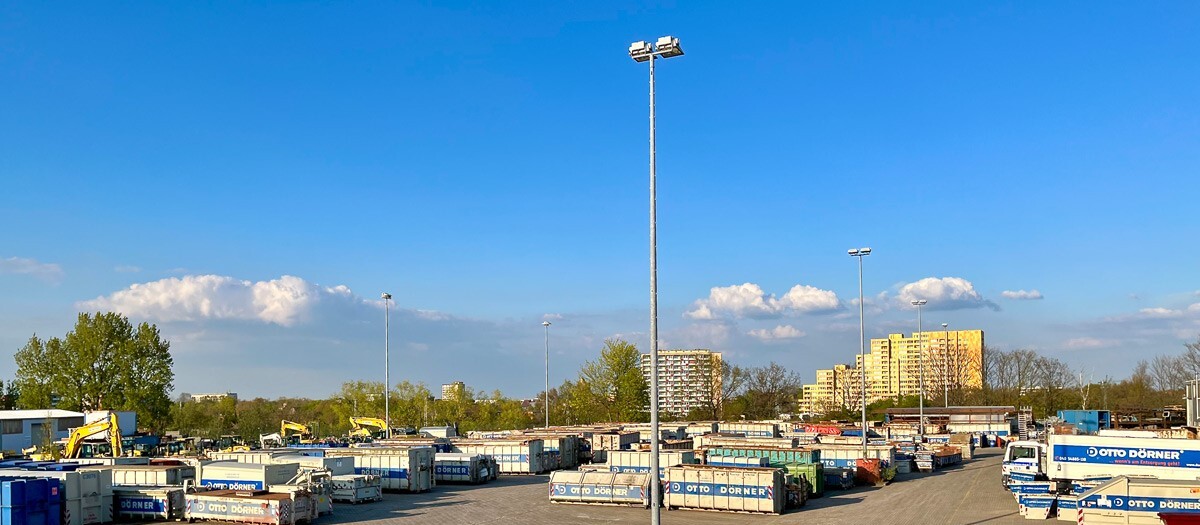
12 493
9 463
62 467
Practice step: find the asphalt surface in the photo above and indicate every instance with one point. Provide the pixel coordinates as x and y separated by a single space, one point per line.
968 494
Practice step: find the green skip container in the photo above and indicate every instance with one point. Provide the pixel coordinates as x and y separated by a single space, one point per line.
813 472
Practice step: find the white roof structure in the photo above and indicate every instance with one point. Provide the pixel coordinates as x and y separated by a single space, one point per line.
53 413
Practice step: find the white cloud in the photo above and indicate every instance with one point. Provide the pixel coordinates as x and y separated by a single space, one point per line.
126 268
49 272
284 301
778 333
749 300
945 293
1159 313
552 317
1086 342
1021 295
698 335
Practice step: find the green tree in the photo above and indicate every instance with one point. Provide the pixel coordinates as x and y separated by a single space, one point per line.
104 363
616 380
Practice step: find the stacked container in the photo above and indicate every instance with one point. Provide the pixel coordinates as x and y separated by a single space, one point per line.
452 467
512 457
847 456
33 501
715 440
401 469
149 503
626 462
86 497
725 489
148 475
231 475
769 430
736 461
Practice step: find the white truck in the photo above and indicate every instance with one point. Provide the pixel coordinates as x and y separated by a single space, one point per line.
1066 458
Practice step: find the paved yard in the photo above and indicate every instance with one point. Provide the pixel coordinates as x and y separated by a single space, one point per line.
969 494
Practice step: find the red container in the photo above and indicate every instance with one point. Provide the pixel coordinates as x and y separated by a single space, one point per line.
1172 518
869 471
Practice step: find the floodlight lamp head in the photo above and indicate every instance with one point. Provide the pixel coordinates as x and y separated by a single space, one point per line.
852 251
385 296
668 46
919 302
865 251
545 323
944 325
640 51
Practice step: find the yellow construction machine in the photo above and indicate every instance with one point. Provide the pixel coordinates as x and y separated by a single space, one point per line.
367 427
231 443
75 442
293 433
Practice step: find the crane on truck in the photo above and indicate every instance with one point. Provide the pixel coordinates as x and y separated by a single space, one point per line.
293 432
367 427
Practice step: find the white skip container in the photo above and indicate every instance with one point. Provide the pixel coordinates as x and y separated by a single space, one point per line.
231 475
630 462
149 475
453 467
729 489
87 496
357 488
513 457
600 488
149 504
402 469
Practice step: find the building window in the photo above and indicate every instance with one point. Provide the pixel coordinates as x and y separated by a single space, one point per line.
11 426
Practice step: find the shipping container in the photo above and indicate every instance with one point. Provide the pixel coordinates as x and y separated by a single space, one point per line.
231 475
265 509
86 498
1087 421
337 466
769 430
407 470
600 488
725 489
513 457
452 467
32 501
737 461
149 504
716 440
1139 500
627 462
357 488
148 475
562 448
700 429
777 456
847 456
614 441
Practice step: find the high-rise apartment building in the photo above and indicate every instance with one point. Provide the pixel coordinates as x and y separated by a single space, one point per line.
451 391
952 360
687 380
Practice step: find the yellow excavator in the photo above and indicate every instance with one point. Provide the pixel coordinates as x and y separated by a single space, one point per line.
75 442
293 433
367 427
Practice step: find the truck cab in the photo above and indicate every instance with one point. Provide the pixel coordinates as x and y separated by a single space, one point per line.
1025 459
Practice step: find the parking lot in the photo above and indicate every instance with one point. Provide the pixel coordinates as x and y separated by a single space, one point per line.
967 494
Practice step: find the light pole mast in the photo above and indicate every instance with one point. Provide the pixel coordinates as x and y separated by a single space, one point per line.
921 359
546 325
665 47
387 321
946 366
862 340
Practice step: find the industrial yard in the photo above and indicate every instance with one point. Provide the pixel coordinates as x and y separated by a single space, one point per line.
966 494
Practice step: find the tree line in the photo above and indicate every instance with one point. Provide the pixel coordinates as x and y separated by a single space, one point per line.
106 362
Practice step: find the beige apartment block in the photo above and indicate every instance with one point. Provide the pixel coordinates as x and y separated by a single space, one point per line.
687 379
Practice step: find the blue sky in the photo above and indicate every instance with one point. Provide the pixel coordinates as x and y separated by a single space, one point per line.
486 164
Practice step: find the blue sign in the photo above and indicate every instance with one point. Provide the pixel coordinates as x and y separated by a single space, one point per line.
452 470
231 484
510 458
141 504
385 473
571 489
1135 456
721 489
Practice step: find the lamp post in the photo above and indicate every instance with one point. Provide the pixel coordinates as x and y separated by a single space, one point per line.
665 47
921 359
862 340
546 325
946 366
387 321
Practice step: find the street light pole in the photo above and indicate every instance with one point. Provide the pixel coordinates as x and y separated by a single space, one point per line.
921 358
546 325
665 47
946 366
862 340
387 321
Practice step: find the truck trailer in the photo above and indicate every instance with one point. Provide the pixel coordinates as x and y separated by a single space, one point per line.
1067 458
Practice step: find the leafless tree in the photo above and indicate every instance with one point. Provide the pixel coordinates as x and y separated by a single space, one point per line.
1168 372
1085 389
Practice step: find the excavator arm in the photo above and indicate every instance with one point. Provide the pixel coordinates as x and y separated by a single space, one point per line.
366 426
288 428
75 441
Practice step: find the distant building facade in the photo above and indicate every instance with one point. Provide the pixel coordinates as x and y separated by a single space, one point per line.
188 398
893 368
453 391
687 380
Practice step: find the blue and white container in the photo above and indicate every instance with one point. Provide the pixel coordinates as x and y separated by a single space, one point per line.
631 462
453 467
1067 508
232 475
149 504
403 469
731 489
600 488
737 461
513 457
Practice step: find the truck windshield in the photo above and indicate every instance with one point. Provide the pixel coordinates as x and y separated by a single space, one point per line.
1022 453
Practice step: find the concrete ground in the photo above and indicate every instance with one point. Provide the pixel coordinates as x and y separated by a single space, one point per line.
969 494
